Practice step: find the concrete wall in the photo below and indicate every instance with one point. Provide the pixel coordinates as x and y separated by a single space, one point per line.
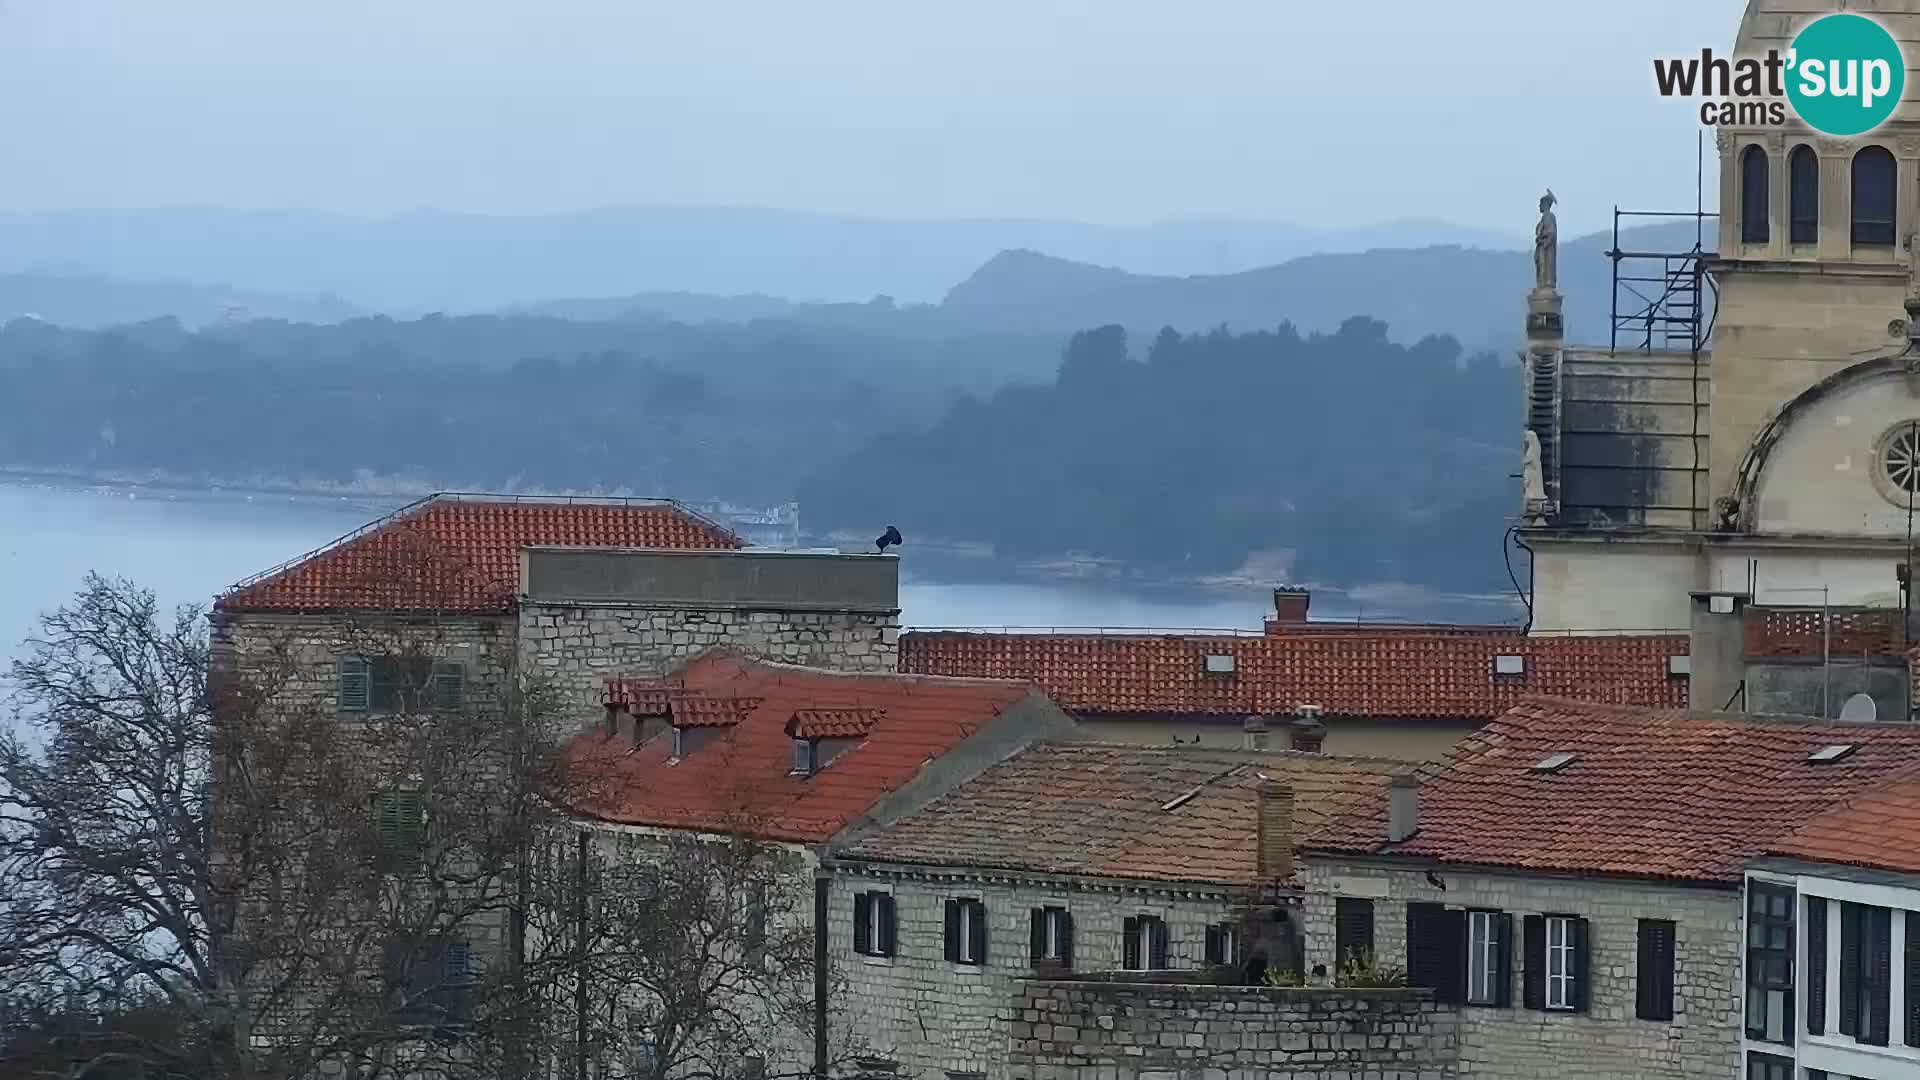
1605 1043
934 1017
1122 1030
1807 688
1824 475
1590 587
765 580
1413 740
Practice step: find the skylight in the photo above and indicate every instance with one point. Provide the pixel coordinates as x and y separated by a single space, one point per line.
1553 762
1831 752
1180 800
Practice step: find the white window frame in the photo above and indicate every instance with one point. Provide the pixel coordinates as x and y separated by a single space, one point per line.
1050 920
1560 975
969 955
1144 943
1483 958
1229 948
873 922
679 742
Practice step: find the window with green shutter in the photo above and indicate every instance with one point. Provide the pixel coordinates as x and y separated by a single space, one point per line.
352 684
449 685
401 819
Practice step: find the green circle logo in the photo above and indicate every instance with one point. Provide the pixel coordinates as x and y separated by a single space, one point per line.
1845 74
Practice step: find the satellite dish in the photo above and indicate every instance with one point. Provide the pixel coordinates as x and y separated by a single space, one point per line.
1859 709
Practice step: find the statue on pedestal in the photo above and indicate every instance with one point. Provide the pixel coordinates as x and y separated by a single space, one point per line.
1533 480
1546 246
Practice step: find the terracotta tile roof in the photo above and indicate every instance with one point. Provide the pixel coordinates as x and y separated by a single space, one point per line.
461 553
834 723
1385 672
1876 829
1145 812
1648 793
641 697
691 710
739 779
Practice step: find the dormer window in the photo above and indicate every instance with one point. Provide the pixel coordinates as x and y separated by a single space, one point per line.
679 742
803 757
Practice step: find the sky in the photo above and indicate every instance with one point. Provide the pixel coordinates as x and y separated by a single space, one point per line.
1119 111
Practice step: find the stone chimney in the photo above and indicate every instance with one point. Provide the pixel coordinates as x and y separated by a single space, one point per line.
1254 733
1307 731
1290 603
1274 854
1403 808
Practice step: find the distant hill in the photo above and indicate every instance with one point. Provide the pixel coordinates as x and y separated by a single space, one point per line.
90 301
426 261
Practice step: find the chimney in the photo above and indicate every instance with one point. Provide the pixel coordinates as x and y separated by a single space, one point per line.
1274 855
1403 808
1290 604
1254 733
1307 731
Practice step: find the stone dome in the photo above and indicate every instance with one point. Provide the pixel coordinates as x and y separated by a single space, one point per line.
1772 24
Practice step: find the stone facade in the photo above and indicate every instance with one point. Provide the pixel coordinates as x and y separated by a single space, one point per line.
1130 1030
933 1017
1607 1041
576 645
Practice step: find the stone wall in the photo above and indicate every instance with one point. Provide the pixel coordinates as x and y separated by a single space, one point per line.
576 645
933 1017
1128 1030
1607 1041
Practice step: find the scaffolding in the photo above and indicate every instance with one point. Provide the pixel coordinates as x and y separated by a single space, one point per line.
1659 296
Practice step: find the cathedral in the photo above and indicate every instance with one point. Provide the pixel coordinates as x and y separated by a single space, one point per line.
1750 435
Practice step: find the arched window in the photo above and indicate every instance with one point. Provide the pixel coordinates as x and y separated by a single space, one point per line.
1873 194
1753 195
1803 195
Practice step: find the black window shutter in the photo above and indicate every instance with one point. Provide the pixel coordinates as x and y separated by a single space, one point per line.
1913 979
1039 934
1436 950
1816 934
1214 943
953 931
1503 961
1352 927
1850 969
1157 943
1582 967
1066 937
1654 986
1130 944
862 913
1533 967
977 937
1879 960
886 944
352 684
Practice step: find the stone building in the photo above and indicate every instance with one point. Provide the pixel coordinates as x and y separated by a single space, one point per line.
1371 689
798 758
1573 879
1073 858
1832 968
1774 460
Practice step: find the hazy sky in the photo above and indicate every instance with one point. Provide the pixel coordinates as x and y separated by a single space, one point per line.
1097 110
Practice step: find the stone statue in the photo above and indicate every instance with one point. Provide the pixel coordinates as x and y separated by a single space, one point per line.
1913 267
1533 481
1546 246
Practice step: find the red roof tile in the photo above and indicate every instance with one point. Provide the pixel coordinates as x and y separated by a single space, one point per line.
1878 828
1142 812
1386 672
1648 793
691 710
461 553
834 723
739 779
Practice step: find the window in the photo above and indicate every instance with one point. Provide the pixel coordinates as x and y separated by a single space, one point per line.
1557 970
1352 929
400 818
1912 982
1803 196
1753 195
1900 461
966 932
679 742
1143 943
1436 944
428 983
400 684
803 757
1866 972
873 923
753 919
1874 185
1769 1067
1769 963
1223 943
1489 958
1816 965
1052 936
1654 975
